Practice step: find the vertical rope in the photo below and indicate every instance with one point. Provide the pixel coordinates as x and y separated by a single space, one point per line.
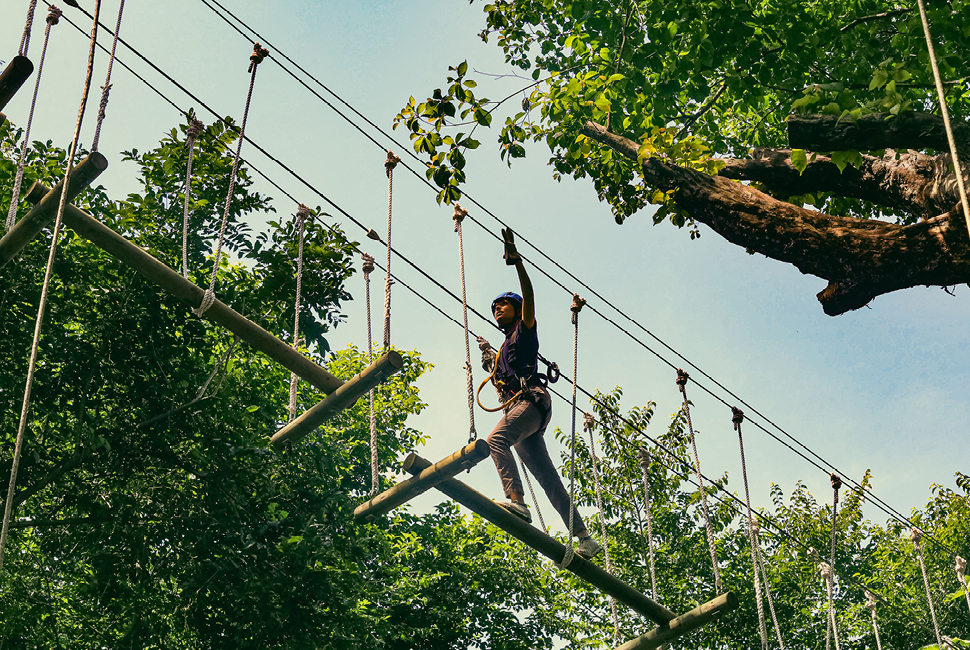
375 479
106 88
302 213
871 606
767 587
645 466
389 166
459 215
957 168
535 502
259 53
831 630
737 418
961 569
589 425
917 535
575 308
25 39
682 378
53 16
32 364
191 135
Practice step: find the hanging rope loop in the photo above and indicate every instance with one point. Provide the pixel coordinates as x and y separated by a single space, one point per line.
259 53
367 265
25 39
391 163
302 214
737 417
106 88
54 15
459 216
682 378
916 535
576 307
192 134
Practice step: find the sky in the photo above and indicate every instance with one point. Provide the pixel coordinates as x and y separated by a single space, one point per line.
882 388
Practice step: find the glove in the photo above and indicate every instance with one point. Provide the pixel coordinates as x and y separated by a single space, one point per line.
511 255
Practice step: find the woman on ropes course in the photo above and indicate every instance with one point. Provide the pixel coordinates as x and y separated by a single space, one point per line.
526 404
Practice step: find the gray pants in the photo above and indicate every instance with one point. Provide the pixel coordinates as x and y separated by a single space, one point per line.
522 427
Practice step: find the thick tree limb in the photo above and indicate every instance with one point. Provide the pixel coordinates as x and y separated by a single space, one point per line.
874 132
860 259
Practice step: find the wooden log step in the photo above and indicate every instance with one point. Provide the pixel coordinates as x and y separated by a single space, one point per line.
683 624
465 458
551 548
348 393
13 77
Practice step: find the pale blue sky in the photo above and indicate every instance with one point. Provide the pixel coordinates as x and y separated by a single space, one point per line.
882 388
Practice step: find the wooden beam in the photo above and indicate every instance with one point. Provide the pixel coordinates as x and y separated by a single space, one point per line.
45 208
551 548
107 239
348 393
13 77
465 458
681 625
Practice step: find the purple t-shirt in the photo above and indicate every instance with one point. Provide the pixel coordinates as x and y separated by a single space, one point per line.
519 357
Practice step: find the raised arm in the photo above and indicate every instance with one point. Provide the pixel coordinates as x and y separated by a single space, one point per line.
513 258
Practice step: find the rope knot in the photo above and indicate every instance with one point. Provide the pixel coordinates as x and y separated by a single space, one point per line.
54 15
588 422
961 568
737 417
826 570
916 535
193 132
368 263
576 306
567 557
259 53
870 601
303 211
208 299
682 378
836 482
755 526
104 101
459 216
390 163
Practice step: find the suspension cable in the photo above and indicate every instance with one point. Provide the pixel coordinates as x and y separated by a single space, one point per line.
42 303
53 16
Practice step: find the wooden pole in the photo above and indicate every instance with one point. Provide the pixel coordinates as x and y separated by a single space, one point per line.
13 77
551 548
348 393
465 458
45 210
681 625
107 239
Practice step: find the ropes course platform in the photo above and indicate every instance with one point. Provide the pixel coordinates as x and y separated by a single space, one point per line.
670 625
340 394
13 77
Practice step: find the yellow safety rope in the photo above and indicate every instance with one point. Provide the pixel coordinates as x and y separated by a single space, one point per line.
488 379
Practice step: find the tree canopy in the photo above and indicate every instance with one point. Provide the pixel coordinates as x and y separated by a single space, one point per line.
804 131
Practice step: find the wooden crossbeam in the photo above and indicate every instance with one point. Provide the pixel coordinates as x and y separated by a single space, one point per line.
683 624
465 458
46 203
13 77
551 548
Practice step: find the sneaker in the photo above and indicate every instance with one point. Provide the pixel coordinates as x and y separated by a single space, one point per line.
588 548
520 510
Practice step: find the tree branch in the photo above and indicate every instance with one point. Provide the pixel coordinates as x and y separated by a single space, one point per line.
866 19
874 132
860 259
66 466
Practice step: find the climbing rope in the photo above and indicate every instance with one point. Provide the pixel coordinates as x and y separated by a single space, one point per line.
302 214
831 630
871 606
737 417
368 267
961 569
916 535
682 378
25 39
535 502
209 297
53 16
42 303
192 134
589 423
575 308
459 215
957 168
389 166
106 88
767 585
645 466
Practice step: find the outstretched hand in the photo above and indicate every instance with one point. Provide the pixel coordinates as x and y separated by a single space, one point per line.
511 255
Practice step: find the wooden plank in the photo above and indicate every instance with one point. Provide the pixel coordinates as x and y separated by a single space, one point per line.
348 393
465 458
13 77
681 625
551 548
107 239
45 208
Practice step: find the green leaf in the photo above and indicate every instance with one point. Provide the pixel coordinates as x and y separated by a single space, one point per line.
799 160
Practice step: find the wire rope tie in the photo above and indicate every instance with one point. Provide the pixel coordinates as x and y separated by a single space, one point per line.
574 308
209 297
916 535
682 378
389 164
459 214
302 214
367 266
192 134
53 17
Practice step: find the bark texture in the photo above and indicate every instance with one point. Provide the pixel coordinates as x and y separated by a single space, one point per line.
859 259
